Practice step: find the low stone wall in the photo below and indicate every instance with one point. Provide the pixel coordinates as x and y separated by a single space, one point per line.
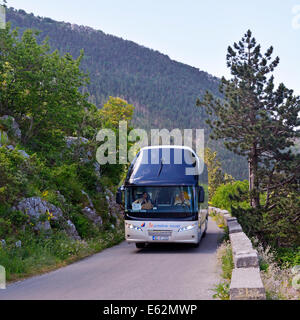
246 282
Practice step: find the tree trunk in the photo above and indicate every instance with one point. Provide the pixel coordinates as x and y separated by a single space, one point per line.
253 179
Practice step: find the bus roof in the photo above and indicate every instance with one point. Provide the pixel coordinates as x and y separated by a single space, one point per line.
164 166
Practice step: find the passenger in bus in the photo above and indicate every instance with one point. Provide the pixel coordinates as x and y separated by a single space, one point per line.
182 200
145 202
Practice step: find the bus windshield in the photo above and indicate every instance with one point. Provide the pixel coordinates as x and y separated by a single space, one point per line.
159 199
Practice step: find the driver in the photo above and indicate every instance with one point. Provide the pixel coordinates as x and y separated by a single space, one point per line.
145 201
182 200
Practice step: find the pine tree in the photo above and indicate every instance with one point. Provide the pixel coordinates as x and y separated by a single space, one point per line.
257 120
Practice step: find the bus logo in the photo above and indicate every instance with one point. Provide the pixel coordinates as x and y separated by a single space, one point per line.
143 225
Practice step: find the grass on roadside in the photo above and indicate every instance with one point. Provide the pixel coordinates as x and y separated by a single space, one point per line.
219 219
38 255
224 257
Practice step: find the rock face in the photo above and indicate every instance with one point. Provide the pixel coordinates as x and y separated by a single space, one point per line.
3 243
97 169
36 208
80 147
71 230
11 127
18 244
24 154
74 141
90 212
114 209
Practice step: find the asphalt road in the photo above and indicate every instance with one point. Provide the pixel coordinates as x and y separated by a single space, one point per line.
124 272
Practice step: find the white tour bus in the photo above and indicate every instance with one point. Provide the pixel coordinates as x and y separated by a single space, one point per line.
165 197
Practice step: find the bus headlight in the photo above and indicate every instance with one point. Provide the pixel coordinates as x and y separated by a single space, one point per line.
133 227
186 228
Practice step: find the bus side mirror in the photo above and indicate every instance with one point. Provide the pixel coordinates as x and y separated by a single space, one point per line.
201 194
119 196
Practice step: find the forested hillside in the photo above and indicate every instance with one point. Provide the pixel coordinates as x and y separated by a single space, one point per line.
163 91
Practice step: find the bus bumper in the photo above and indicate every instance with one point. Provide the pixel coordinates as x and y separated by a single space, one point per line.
162 232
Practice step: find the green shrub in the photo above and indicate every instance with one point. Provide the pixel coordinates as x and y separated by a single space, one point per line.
278 227
84 226
66 180
14 180
231 194
5 227
86 175
288 256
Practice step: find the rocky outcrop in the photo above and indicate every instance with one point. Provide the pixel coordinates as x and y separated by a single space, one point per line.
97 169
3 243
42 212
75 141
90 212
81 147
114 209
22 152
18 244
85 152
71 230
11 127
10 133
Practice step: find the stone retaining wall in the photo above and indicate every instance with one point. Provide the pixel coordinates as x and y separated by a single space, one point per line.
246 282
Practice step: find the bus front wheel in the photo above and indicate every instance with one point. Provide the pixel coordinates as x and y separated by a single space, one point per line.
140 245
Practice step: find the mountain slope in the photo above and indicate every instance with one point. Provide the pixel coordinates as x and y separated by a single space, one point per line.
163 91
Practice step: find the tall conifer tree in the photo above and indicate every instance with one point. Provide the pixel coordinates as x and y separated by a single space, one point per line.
257 120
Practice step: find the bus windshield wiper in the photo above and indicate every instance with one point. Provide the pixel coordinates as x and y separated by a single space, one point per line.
161 166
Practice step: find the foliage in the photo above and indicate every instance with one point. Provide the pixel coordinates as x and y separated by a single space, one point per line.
227 264
114 111
222 291
288 256
15 173
256 120
260 122
230 195
215 174
41 89
278 227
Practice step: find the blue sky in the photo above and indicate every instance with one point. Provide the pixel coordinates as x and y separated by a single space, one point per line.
195 32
